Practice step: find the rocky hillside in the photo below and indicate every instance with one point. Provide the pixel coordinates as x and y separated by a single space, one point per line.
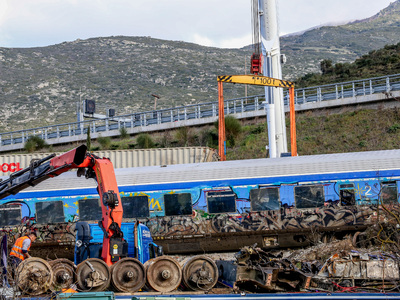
340 43
42 86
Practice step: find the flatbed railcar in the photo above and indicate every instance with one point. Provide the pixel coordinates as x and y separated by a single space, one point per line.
223 206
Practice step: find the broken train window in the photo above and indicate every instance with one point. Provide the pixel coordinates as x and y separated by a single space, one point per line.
309 196
388 193
178 204
219 202
136 207
264 199
49 212
347 194
10 215
89 209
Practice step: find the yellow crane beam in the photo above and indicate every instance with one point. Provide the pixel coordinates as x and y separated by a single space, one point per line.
255 80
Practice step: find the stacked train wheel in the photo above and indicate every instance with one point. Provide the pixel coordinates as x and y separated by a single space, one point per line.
63 274
93 275
200 273
34 276
128 275
164 274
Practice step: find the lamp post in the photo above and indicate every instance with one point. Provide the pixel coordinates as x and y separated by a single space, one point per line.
155 100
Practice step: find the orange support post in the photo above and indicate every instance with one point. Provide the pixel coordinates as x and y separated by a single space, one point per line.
221 122
293 143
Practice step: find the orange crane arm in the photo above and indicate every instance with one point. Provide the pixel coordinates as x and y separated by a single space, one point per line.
101 169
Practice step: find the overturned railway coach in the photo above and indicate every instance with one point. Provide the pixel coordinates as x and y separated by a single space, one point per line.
223 206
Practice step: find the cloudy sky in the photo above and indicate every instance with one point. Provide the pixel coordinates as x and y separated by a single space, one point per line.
220 23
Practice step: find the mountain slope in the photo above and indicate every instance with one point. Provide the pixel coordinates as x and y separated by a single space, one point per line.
119 72
341 43
41 86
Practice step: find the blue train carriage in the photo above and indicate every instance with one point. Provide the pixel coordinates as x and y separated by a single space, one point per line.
222 206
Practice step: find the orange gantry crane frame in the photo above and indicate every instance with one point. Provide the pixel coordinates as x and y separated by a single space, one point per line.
253 80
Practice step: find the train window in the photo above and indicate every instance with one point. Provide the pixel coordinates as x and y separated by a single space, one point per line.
389 192
89 209
10 215
136 207
347 194
309 196
49 212
221 202
264 199
178 204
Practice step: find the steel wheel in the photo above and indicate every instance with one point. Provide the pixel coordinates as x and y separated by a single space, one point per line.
164 274
128 275
200 273
34 276
93 275
63 274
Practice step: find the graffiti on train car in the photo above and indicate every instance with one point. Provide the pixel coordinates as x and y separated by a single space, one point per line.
274 214
284 219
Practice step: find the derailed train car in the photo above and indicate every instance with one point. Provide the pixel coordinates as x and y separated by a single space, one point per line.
223 206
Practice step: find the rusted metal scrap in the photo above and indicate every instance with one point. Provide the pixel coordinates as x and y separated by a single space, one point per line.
258 271
358 270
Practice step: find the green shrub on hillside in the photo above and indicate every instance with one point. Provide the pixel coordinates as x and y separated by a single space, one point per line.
105 142
232 129
144 141
35 143
376 63
124 133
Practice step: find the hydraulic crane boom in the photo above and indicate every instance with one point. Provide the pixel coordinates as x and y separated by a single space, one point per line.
101 169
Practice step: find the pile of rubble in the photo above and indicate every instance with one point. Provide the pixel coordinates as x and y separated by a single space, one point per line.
315 268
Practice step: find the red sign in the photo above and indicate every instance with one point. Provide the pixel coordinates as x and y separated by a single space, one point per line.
12 167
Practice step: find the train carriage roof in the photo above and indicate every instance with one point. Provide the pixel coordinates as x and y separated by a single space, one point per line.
239 169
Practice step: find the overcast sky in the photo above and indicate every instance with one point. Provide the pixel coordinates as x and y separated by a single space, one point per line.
220 23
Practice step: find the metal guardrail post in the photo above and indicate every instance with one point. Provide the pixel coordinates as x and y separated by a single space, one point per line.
199 112
256 104
58 131
371 89
81 125
364 88
354 90
171 115
319 95
388 87
342 91
241 105
185 112
337 91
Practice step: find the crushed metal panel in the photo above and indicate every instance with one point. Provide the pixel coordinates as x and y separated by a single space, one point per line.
382 269
346 269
